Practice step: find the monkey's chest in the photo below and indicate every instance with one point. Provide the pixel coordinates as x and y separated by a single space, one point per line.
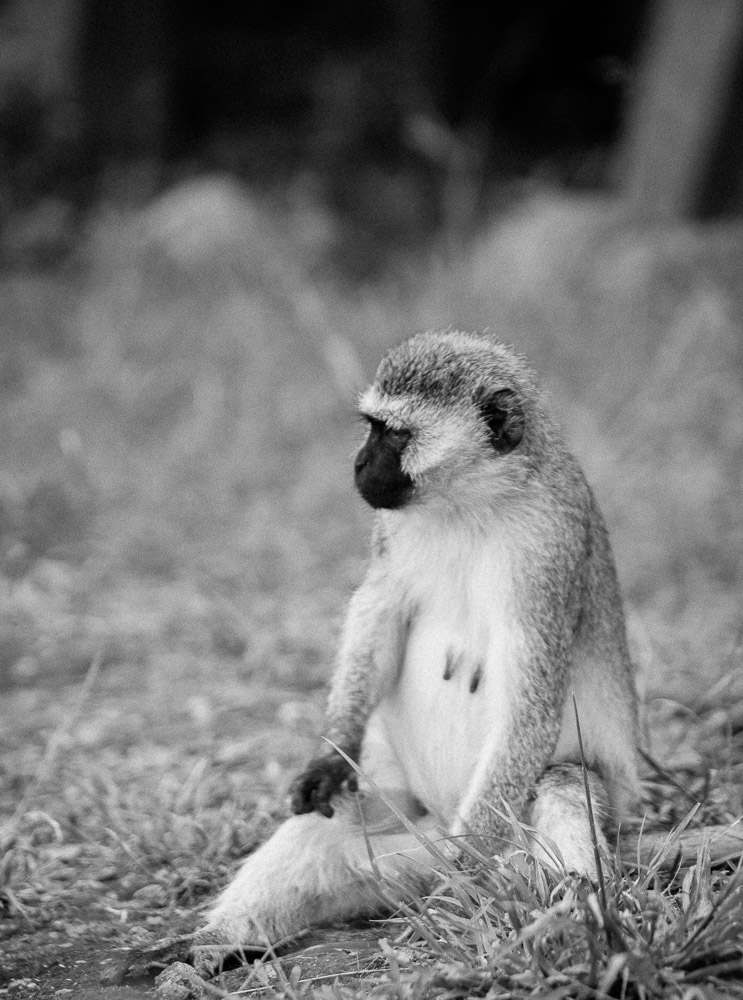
447 715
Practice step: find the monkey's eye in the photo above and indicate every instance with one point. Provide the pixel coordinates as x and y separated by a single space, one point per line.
396 438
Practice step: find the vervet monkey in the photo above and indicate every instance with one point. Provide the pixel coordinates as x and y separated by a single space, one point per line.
490 601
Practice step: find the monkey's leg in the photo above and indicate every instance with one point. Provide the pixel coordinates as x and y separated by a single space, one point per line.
559 815
315 871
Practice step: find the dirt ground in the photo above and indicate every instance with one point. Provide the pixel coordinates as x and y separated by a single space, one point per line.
95 957
87 916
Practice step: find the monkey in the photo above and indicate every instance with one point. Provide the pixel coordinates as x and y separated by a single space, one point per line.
490 610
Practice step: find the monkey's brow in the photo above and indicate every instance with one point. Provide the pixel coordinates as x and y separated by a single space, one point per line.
386 426
372 419
369 418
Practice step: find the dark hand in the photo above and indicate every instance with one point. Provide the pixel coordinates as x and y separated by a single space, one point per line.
320 780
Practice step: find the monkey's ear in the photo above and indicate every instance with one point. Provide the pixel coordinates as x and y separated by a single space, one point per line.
504 419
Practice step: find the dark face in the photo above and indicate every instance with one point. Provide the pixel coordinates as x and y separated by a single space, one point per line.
378 473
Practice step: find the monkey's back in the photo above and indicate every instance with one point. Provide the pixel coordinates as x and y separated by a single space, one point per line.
602 677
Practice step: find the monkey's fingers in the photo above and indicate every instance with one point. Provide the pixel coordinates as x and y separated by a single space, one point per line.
321 800
326 789
311 795
326 784
312 790
301 797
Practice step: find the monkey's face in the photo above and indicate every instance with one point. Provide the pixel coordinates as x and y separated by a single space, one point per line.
378 470
447 422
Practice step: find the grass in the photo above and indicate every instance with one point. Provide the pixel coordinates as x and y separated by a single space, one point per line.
547 936
178 538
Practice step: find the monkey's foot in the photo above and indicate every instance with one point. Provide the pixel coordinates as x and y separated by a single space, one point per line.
217 942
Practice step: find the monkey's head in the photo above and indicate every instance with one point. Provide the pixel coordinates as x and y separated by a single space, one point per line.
453 417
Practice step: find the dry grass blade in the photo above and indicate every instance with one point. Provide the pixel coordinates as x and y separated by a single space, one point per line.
648 758
667 850
420 836
53 747
589 807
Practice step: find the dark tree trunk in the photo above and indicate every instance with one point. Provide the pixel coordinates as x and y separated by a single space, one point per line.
124 77
683 113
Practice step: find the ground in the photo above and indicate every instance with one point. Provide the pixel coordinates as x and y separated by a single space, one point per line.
179 536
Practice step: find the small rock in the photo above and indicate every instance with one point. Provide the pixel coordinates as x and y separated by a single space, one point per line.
172 991
180 982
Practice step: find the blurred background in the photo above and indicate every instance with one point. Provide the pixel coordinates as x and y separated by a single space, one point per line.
401 116
214 217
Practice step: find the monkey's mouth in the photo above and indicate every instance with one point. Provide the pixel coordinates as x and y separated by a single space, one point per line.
383 496
380 479
384 492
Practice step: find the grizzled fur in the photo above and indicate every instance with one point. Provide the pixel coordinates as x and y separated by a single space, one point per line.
444 369
490 603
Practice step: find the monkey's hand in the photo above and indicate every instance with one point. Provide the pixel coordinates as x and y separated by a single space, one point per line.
321 779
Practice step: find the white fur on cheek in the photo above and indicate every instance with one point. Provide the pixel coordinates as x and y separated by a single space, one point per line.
437 437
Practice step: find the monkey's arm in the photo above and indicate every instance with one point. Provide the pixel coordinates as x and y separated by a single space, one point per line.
533 732
369 659
550 584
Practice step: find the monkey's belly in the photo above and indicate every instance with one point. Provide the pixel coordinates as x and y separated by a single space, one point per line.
446 717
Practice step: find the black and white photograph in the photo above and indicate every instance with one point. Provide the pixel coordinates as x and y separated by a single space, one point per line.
371 500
